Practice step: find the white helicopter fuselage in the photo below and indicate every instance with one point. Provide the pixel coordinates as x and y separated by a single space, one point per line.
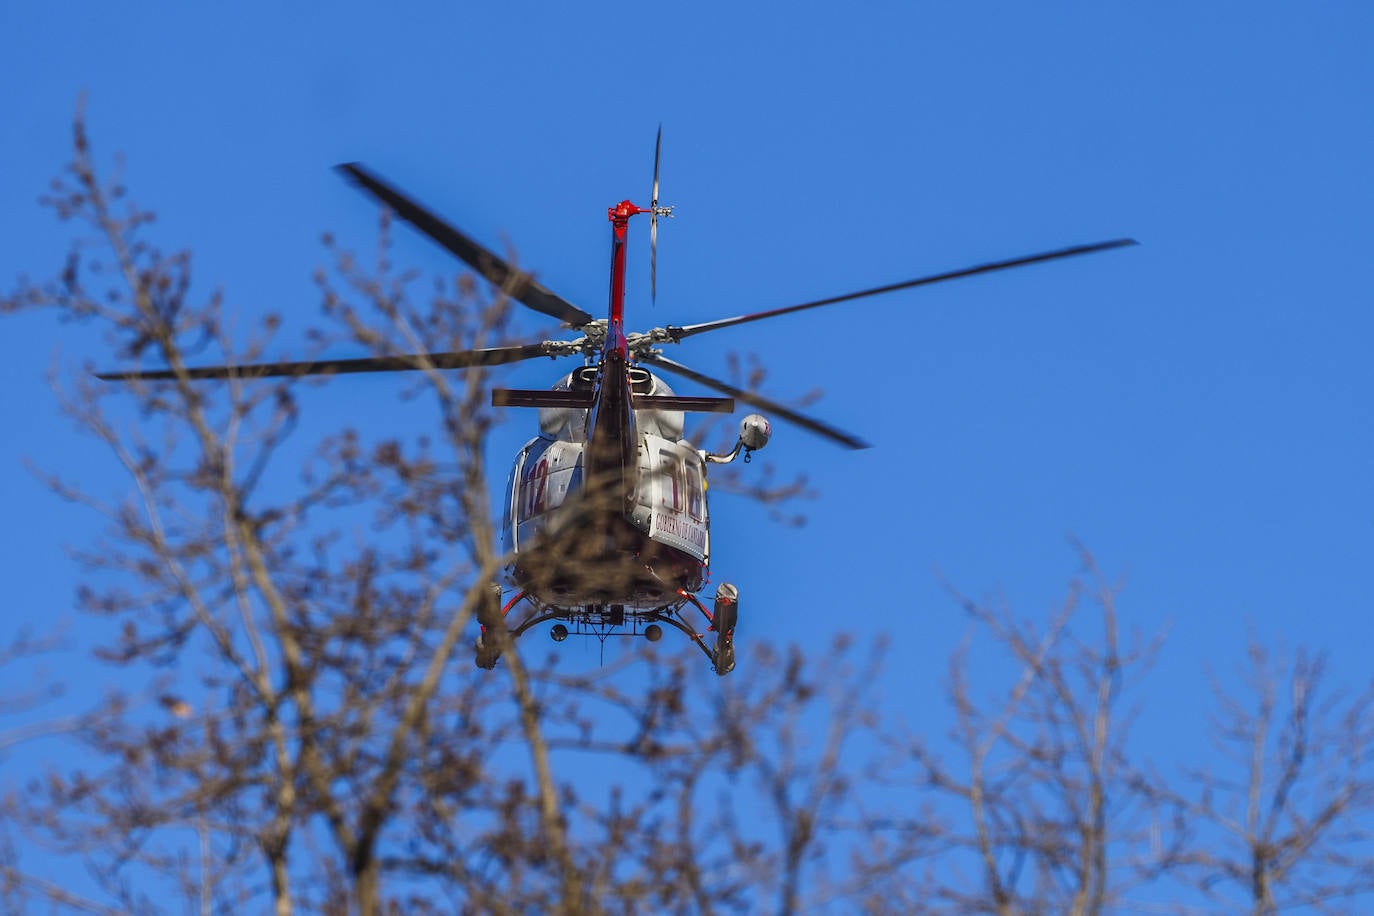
660 542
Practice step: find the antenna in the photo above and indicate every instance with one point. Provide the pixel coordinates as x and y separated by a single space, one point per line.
655 211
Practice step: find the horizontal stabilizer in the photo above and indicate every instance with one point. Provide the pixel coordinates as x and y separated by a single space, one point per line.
674 402
506 397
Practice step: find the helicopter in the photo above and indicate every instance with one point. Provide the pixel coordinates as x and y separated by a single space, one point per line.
604 519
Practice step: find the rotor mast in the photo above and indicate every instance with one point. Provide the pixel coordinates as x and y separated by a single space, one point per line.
619 215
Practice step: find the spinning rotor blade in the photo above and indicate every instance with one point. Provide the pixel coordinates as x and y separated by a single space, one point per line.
519 286
692 329
805 422
653 223
463 359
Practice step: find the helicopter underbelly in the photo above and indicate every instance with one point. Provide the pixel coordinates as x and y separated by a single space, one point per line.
569 552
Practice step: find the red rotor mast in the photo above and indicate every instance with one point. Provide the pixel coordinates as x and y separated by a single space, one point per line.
619 215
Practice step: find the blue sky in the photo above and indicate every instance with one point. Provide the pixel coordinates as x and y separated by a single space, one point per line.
1196 410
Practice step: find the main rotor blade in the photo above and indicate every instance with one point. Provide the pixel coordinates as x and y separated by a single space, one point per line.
748 397
463 359
519 286
692 329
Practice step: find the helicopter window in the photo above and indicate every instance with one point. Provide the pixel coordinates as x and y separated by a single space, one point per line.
668 481
693 492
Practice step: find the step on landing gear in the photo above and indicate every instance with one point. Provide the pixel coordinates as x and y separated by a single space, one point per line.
724 618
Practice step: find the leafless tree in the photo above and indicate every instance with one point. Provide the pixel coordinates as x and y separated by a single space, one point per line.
1283 819
1032 804
25 717
326 655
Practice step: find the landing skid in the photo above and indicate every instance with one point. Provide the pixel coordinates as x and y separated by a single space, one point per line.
606 620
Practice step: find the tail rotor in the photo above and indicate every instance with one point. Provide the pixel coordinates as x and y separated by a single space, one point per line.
655 211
